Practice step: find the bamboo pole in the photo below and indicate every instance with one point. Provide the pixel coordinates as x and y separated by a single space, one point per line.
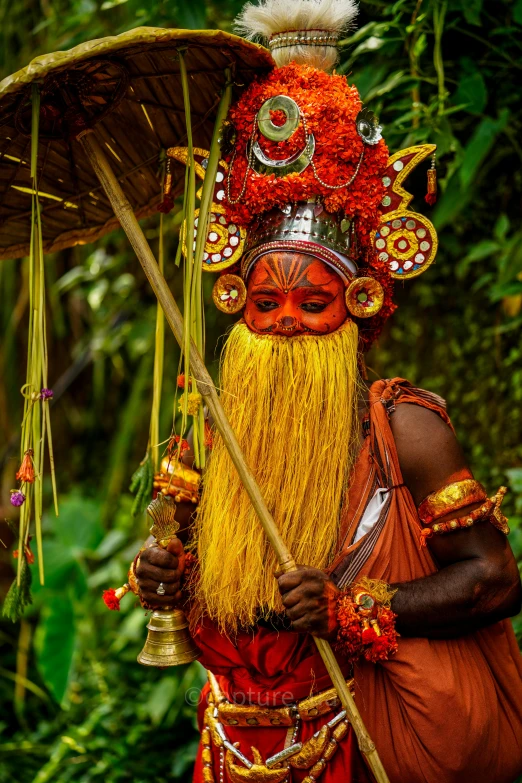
124 213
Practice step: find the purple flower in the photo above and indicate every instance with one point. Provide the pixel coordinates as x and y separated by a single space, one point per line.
46 394
17 497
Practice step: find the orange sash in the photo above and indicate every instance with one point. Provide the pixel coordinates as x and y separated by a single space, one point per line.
440 711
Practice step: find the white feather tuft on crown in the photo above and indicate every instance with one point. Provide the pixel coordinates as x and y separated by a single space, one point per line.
302 31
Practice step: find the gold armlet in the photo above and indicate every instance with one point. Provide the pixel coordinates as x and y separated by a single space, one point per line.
490 509
178 481
451 498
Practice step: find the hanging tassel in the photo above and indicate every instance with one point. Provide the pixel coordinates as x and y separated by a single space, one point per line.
36 437
431 196
168 202
112 597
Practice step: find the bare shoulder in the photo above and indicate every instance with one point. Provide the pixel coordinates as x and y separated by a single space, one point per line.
429 453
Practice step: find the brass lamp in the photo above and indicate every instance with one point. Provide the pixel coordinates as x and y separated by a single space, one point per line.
168 640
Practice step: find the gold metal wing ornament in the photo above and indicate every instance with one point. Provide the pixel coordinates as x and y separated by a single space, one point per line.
405 240
225 241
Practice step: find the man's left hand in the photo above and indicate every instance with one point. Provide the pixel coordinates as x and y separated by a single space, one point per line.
310 601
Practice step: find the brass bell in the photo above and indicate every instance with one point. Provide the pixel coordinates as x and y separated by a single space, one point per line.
168 642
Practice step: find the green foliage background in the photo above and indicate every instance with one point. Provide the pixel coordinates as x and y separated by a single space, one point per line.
74 705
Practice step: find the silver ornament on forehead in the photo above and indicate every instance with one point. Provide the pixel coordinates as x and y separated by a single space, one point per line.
368 127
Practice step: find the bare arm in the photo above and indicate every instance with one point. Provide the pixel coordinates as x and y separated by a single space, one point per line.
477 583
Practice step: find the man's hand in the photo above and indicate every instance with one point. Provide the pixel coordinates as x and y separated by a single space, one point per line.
310 600
158 565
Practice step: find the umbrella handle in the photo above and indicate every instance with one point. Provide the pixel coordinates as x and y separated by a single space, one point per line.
125 214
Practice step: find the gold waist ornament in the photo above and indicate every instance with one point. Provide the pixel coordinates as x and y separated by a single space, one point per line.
312 755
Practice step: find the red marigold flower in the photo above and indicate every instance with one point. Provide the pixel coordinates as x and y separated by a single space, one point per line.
111 600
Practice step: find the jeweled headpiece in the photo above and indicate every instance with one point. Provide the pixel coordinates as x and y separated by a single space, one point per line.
306 169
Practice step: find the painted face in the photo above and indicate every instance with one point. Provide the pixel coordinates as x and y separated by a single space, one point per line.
294 293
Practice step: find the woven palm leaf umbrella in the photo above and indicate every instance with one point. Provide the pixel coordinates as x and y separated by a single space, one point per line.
107 110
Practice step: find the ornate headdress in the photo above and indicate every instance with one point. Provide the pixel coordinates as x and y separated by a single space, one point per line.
306 168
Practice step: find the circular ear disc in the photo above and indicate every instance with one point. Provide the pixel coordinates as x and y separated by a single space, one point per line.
364 297
229 294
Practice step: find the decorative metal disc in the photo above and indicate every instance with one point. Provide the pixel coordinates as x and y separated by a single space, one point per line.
262 164
268 127
407 243
229 294
368 127
364 297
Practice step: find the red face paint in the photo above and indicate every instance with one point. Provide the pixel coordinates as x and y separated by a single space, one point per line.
293 293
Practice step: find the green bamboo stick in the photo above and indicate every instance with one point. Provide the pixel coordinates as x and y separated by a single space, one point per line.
188 223
201 238
159 350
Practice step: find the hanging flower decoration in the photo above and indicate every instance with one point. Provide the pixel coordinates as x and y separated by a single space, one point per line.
366 622
209 435
26 472
29 556
17 498
112 597
193 403
179 445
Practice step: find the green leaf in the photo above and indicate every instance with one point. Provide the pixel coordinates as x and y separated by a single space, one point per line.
54 644
111 4
79 525
517 12
371 44
515 479
471 93
482 250
471 10
113 541
160 699
453 201
479 146
479 252
387 86
501 227
502 290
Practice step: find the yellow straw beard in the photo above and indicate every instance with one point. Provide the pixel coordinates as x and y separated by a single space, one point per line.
293 404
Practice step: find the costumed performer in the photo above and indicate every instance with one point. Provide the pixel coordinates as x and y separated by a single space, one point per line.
406 566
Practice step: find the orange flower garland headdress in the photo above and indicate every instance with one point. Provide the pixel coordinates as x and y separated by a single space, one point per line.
305 168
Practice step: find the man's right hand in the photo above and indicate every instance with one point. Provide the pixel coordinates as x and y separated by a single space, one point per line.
157 566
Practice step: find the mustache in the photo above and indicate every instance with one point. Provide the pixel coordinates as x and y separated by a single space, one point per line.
270 329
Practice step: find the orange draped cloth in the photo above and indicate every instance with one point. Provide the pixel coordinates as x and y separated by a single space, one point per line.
439 711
